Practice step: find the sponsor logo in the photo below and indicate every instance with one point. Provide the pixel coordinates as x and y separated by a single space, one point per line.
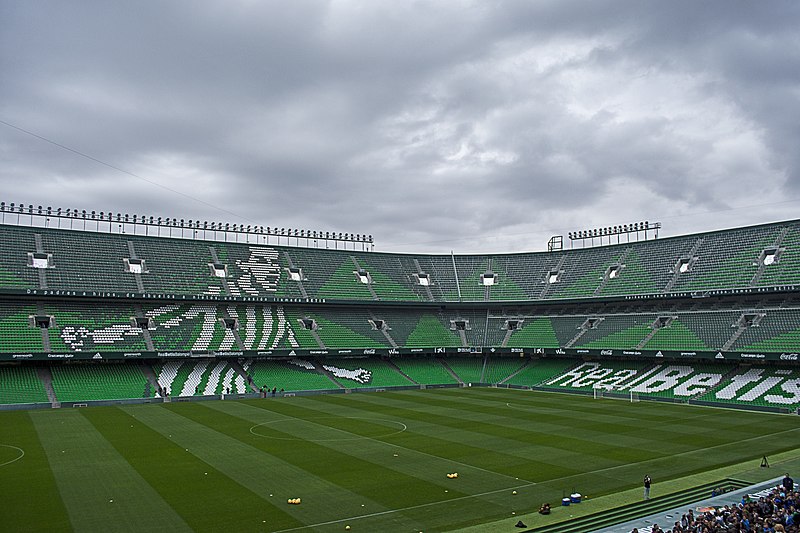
560 351
631 352
268 352
719 356
539 351
688 354
97 356
292 353
60 356
492 350
228 354
659 354
132 354
753 356
788 357
317 352
606 352
344 351
517 350
438 350
461 350
22 356
416 350
478 349
369 351
174 354
581 351
393 351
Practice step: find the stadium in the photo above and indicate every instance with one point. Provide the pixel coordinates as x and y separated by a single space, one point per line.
175 375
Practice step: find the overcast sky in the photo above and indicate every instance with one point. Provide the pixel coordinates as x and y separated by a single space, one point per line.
474 126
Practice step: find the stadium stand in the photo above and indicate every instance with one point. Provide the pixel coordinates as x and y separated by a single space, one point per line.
20 384
712 303
85 382
424 371
290 375
467 369
364 372
540 371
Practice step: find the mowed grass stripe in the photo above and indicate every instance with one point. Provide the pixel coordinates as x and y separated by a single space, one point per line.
680 425
31 500
374 449
625 474
588 421
365 468
584 423
468 498
330 415
189 485
747 432
555 457
225 443
714 427
100 490
456 443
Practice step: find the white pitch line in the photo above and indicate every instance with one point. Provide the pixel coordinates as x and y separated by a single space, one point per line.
22 454
381 513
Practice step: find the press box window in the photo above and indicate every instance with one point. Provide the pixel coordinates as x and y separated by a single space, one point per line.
135 266
231 324
423 279
684 265
488 279
662 322
770 256
613 271
41 321
591 323
554 276
296 274
378 325
459 325
363 276
142 322
218 270
308 323
40 260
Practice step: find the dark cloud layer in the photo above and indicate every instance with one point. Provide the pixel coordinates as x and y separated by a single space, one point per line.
472 125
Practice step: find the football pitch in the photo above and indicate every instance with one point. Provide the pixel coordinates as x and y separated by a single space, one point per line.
373 462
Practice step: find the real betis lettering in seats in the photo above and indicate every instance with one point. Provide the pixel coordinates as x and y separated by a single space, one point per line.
778 387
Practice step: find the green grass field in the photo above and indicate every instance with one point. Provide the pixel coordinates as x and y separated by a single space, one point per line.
375 462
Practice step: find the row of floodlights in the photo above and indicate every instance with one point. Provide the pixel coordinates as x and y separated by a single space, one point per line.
180 223
614 230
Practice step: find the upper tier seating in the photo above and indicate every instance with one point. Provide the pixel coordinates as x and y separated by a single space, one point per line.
89 261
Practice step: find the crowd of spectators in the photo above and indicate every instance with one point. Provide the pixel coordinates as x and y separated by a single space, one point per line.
776 510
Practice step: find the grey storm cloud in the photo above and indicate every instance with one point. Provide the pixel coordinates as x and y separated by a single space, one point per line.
474 126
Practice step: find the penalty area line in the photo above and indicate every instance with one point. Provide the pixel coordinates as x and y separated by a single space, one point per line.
411 508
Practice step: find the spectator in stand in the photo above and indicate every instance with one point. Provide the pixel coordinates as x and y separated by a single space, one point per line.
776 512
788 483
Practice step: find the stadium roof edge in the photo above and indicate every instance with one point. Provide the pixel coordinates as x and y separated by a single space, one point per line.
353 251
